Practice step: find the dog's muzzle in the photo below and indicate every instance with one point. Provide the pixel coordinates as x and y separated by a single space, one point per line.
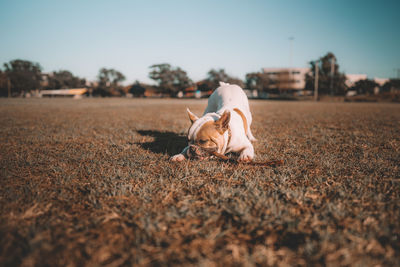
200 152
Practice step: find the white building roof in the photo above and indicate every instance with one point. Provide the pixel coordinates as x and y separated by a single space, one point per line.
351 79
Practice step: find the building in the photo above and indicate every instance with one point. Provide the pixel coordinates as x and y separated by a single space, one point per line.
286 80
194 92
75 93
351 79
381 81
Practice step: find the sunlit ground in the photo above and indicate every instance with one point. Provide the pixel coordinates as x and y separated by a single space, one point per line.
89 182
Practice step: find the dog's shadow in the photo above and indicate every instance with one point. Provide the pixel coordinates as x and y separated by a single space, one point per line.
168 143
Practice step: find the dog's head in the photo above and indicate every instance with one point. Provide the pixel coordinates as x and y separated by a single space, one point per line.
207 135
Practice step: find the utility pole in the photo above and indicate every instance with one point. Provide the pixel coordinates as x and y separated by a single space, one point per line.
396 76
9 87
316 81
333 60
291 62
291 52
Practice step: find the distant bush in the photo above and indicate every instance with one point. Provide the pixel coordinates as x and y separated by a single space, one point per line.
391 85
363 87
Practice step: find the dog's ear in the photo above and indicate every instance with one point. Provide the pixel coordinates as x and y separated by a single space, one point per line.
192 117
222 123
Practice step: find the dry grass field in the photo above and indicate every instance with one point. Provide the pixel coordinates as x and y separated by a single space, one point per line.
88 182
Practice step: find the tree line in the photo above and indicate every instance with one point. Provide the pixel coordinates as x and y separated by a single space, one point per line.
333 82
19 77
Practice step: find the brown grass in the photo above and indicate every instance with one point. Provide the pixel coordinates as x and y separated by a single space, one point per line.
88 182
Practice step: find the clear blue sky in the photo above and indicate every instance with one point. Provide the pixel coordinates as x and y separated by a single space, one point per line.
240 36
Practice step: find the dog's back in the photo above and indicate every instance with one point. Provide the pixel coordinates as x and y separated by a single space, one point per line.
228 96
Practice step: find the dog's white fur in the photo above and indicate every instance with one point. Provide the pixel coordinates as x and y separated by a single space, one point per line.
226 97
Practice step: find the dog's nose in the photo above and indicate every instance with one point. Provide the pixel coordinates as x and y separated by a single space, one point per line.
192 149
195 151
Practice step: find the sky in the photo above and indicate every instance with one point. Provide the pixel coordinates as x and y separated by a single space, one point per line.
238 36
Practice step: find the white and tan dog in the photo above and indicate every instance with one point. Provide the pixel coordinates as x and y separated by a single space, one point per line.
223 128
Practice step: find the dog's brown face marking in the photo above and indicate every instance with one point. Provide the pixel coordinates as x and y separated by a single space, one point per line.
210 137
207 140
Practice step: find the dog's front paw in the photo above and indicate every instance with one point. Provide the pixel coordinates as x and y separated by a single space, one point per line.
246 155
177 157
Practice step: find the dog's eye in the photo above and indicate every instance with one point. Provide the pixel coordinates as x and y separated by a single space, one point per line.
203 141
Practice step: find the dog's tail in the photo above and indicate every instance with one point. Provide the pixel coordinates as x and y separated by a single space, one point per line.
223 84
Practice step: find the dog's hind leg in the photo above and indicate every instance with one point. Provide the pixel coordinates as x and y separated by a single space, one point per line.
250 135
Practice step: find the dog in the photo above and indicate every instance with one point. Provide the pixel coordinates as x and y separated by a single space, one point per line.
223 128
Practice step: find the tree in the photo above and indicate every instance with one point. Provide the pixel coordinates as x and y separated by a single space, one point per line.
391 85
257 81
181 79
109 82
137 90
170 80
216 76
330 80
3 84
64 79
363 87
23 75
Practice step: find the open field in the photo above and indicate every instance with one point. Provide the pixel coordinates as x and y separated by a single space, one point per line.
88 182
